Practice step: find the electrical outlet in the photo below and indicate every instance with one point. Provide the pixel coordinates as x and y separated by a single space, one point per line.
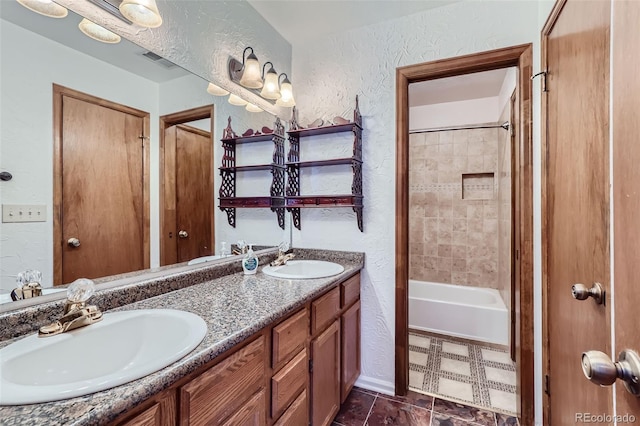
24 213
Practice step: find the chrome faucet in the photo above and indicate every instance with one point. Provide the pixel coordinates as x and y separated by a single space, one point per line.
77 313
283 256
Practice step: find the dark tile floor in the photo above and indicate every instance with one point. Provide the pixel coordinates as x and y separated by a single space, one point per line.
364 407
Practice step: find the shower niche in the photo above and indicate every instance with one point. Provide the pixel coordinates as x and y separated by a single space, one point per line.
478 186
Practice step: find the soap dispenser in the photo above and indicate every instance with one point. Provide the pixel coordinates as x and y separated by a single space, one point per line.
250 262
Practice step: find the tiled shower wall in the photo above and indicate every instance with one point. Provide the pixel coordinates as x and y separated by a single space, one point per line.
451 239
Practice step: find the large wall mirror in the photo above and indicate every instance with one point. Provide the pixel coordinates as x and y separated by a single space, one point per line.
64 98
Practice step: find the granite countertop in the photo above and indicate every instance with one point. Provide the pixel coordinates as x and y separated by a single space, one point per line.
234 307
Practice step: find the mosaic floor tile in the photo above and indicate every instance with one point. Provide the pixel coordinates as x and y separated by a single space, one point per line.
463 371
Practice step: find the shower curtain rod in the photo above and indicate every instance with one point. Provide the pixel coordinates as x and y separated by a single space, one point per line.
504 126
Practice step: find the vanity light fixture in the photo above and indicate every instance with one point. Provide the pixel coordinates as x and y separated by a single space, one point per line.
271 88
141 12
237 100
45 7
286 93
96 32
252 108
214 90
250 69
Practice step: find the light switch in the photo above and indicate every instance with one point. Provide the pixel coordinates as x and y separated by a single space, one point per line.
24 213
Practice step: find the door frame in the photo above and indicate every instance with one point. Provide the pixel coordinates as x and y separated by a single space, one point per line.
520 56
58 93
166 121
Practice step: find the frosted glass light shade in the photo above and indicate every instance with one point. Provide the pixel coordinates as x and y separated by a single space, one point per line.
237 100
252 108
45 7
96 32
286 94
214 90
251 77
141 12
271 88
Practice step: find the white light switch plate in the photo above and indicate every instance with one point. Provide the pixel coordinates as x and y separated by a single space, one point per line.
24 213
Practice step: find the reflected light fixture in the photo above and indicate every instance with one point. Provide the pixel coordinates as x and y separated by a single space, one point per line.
252 108
45 7
237 100
214 90
271 88
286 93
141 12
251 77
96 32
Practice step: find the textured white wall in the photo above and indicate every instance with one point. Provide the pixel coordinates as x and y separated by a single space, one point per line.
330 72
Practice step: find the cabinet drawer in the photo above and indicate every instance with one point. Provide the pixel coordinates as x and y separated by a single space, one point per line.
221 390
288 383
324 309
350 290
252 413
297 413
289 336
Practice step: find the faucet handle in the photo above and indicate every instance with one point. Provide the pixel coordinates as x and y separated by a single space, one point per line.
80 290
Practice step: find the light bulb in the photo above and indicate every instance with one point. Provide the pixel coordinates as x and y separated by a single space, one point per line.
45 7
96 32
141 12
214 90
236 100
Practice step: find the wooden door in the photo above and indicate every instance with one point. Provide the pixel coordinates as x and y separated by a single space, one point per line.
577 202
188 173
194 192
325 376
100 197
626 182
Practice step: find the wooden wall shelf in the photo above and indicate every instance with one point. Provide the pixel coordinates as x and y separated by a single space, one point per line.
294 200
275 200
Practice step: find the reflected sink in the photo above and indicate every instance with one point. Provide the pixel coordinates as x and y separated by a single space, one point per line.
304 269
124 346
204 259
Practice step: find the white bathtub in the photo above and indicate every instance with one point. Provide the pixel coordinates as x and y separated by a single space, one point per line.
461 311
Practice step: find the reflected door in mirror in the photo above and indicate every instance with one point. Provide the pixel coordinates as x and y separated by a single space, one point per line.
194 191
100 153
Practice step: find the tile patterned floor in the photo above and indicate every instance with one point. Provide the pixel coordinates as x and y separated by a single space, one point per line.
366 408
468 373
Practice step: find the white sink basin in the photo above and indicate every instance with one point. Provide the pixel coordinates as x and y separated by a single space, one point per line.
124 346
304 269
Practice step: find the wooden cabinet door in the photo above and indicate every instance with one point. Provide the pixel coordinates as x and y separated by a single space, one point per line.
161 413
252 413
350 335
325 375
222 390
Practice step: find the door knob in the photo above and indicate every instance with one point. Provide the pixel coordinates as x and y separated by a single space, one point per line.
581 292
73 242
599 369
183 234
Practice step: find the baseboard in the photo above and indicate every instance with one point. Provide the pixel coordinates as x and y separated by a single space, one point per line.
376 385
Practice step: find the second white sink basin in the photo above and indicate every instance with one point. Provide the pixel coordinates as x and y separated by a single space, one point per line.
124 346
304 269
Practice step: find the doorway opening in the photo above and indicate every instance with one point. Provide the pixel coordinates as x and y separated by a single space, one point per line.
485 181
187 223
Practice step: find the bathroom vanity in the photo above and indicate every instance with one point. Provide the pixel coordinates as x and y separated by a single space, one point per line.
276 352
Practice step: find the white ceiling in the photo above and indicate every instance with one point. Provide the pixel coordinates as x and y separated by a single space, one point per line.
125 55
302 20
459 88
